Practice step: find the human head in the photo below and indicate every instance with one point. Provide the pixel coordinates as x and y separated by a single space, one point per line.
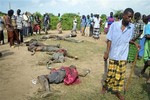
91 14
26 13
10 12
111 14
146 19
137 16
88 16
127 16
58 14
73 66
18 12
149 18
83 17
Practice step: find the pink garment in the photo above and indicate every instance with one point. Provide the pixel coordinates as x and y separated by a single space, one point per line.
71 76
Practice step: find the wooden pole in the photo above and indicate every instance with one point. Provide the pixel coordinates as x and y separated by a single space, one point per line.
9 5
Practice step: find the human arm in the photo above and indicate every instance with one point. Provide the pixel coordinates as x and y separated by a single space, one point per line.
136 44
71 56
147 36
106 53
137 35
109 42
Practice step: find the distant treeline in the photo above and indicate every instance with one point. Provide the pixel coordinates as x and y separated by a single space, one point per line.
1 13
67 19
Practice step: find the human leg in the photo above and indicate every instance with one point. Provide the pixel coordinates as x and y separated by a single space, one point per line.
115 77
145 67
141 51
11 37
16 36
45 85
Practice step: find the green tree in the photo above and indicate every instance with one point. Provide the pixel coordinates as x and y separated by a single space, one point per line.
2 14
118 13
67 20
103 19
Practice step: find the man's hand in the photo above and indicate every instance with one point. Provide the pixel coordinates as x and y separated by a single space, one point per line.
106 55
137 46
147 36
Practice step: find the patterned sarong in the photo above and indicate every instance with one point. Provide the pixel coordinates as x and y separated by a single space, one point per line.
96 33
115 75
132 52
147 50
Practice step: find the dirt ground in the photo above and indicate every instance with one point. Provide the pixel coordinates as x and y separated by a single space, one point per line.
18 68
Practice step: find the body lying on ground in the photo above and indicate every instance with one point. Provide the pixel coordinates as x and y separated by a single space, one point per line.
58 56
34 45
65 38
68 75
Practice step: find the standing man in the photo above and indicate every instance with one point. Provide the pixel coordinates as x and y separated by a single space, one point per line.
110 20
87 29
118 38
138 23
146 46
91 24
10 27
1 30
19 21
46 22
59 25
74 29
97 23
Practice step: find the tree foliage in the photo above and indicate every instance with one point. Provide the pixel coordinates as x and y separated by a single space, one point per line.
2 14
67 20
118 13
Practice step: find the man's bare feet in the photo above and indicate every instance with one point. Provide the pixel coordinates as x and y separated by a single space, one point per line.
104 90
46 94
148 81
120 96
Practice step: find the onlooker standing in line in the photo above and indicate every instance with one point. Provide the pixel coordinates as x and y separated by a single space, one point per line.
1 30
74 29
91 24
59 25
19 21
146 46
16 34
110 20
83 25
87 28
118 38
97 23
46 22
25 24
137 32
10 28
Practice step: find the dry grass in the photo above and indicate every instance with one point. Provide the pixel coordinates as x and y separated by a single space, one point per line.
90 56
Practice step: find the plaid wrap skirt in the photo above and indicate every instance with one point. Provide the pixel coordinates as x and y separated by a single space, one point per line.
115 75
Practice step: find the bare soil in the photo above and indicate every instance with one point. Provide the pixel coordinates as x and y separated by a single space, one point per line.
18 68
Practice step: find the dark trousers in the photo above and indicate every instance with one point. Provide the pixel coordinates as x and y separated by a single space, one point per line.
16 36
91 30
20 31
10 37
2 36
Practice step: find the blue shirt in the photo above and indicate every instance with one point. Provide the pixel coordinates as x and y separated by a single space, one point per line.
119 40
88 22
147 28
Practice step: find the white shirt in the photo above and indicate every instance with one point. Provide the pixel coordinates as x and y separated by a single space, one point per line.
97 22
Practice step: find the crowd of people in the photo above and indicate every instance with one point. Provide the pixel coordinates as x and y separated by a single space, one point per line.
127 37
21 25
123 46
